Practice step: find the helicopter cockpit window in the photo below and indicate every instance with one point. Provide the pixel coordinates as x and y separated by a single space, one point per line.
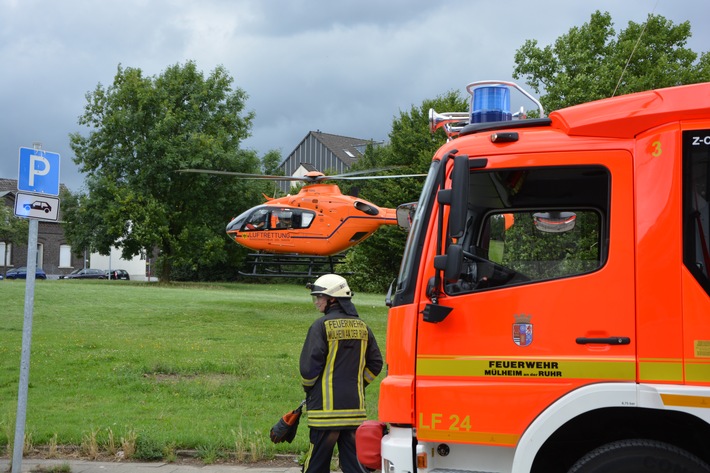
292 219
257 220
281 220
267 218
306 219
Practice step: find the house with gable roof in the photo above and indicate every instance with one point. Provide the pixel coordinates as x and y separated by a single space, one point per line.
323 152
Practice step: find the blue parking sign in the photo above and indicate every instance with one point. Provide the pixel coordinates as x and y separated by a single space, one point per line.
39 172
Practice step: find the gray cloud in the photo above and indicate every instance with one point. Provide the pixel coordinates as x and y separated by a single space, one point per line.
346 67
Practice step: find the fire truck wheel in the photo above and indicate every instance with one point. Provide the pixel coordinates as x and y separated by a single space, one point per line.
639 456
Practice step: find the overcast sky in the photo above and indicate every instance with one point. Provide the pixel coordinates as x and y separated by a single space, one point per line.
345 67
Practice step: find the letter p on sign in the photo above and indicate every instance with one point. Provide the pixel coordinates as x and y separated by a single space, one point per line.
41 169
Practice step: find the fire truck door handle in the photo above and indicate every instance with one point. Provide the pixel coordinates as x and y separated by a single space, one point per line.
604 341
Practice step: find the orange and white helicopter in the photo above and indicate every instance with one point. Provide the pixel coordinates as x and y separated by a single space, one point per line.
318 222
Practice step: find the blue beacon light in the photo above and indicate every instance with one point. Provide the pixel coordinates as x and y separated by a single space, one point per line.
490 104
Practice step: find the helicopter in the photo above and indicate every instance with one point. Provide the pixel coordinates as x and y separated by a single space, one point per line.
314 226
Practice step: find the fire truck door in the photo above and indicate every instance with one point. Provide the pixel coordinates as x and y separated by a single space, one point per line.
545 302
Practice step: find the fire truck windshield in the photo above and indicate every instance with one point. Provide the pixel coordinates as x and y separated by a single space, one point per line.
415 239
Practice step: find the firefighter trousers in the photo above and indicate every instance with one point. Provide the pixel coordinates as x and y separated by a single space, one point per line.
320 452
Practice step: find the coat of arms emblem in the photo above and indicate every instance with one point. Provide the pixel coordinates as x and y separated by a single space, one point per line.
522 330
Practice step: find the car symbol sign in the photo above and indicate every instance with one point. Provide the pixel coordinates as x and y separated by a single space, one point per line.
36 206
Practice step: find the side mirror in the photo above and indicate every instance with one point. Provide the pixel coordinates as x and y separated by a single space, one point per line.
451 263
405 214
555 222
390 291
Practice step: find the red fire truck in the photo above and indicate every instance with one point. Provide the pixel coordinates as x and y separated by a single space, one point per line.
552 311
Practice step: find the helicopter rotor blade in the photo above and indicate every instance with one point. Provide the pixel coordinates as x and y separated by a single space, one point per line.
358 173
360 178
361 175
244 175
349 176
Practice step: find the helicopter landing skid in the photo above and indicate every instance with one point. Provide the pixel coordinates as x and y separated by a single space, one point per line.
272 265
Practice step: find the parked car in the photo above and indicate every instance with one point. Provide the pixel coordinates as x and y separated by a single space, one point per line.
21 273
85 273
118 274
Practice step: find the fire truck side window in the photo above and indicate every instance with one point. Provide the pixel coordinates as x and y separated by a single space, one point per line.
546 245
696 222
536 224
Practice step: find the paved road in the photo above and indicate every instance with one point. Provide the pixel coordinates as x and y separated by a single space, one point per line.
82 466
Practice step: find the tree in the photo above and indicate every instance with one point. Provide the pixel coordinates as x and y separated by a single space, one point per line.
375 262
142 130
12 230
78 225
270 163
270 166
592 62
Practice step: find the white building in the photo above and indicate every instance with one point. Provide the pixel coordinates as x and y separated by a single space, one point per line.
137 267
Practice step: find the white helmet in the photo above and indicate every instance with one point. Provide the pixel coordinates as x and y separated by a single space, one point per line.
330 285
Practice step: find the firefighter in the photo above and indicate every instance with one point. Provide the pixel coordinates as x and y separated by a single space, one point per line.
340 357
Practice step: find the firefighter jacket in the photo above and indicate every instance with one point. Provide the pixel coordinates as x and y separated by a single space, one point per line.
339 358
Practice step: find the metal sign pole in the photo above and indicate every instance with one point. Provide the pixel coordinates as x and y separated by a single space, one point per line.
26 342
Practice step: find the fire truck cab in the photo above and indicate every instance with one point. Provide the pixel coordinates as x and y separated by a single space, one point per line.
552 310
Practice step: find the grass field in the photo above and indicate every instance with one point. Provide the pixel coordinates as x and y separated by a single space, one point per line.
149 370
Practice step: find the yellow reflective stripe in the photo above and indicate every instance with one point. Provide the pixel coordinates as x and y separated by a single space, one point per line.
336 418
490 438
661 369
325 423
579 368
335 413
361 369
697 372
327 380
322 414
671 369
308 382
681 400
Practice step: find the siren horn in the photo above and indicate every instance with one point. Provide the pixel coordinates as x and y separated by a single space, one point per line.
437 120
